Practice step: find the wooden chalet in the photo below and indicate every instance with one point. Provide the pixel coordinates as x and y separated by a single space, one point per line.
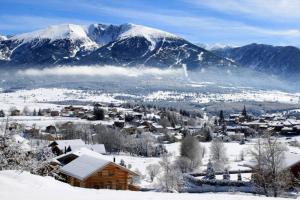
91 170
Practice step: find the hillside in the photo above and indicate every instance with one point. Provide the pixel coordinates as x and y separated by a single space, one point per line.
280 60
16 185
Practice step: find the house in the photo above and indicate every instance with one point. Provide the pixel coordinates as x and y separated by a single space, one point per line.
99 148
93 170
119 123
15 112
54 113
61 146
51 129
291 162
129 129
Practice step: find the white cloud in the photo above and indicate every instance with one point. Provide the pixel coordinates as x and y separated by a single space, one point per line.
276 10
100 71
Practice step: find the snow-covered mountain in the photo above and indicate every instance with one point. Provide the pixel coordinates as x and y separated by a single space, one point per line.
280 60
126 44
2 37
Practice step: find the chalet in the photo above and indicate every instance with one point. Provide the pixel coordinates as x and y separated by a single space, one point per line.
157 127
60 146
119 123
291 163
54 113
92 170
235 136
51 129
237 129
99 148
15 112
46 112
129 129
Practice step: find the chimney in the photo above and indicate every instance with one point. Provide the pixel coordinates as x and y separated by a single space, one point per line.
114 159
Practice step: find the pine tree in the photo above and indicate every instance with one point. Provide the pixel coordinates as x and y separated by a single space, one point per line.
40 112
226 175
239 176
210 172
34 112
244 112
221 117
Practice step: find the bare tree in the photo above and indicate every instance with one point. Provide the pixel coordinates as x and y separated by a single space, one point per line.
218 154
164 122
269 156
172 178
153 170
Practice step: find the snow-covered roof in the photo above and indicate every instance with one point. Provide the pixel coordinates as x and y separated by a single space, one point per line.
74 144
84 166
87 163
99 148
290 159
79 152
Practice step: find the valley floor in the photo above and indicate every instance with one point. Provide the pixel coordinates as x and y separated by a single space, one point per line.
17 186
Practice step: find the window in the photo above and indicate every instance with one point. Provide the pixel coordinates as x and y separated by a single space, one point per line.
111 173
104 173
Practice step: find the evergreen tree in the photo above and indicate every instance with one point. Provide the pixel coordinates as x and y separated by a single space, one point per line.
239 176
221 117
34 112
210 172
69 149
99 112
244 112
226 175
40 112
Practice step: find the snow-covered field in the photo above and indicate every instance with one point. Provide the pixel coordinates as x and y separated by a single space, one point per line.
39 98
23 186
244 95
42 97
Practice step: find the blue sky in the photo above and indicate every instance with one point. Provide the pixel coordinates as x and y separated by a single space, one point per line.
234 22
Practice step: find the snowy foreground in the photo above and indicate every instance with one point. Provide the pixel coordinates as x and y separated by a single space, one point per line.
16 185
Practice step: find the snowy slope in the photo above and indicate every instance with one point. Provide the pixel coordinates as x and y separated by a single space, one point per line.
56 32
133 30
103 34
17 186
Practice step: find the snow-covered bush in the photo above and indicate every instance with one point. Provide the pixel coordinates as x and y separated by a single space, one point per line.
14 157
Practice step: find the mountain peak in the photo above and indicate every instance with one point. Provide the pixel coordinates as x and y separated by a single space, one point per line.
55 32
133 30
2 37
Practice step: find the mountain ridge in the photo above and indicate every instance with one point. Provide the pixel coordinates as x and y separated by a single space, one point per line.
281 60
100 44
